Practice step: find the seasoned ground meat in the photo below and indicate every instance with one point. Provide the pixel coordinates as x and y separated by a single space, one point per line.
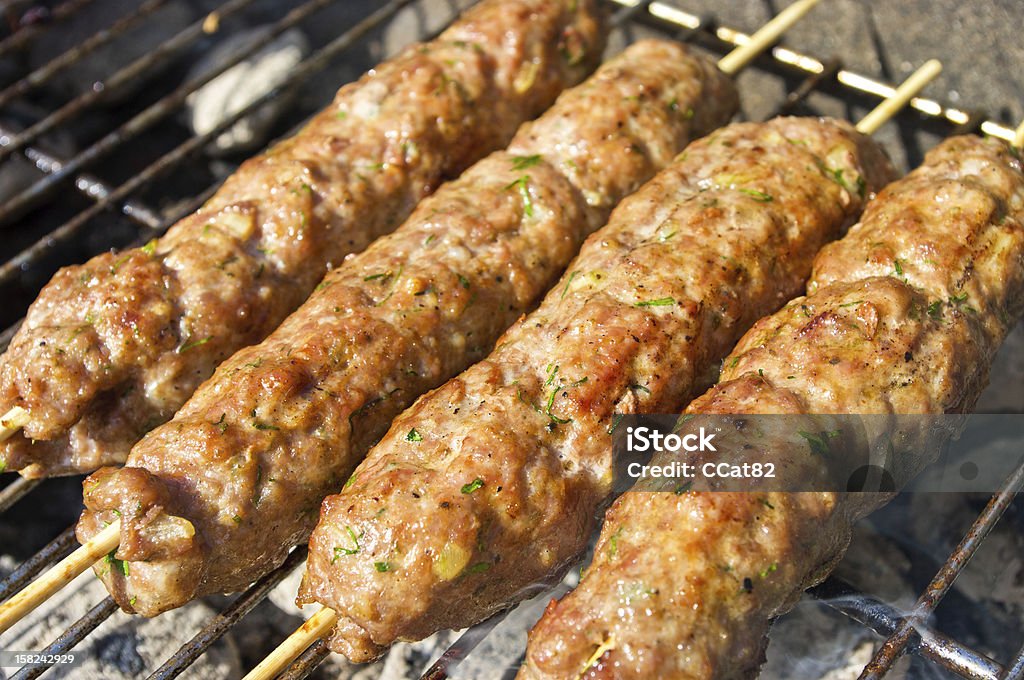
221 493
513 458
114 347
903 316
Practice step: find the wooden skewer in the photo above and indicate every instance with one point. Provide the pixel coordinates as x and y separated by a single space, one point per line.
1018 136
765 36
59 576
870 123
12 421
319 625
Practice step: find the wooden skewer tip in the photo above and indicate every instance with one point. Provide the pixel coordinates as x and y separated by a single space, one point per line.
907 90
58 576
318 625
1018 136
12 421
765 36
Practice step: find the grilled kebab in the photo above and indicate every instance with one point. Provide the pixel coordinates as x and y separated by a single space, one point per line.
499 487
903 316
113 347
216 497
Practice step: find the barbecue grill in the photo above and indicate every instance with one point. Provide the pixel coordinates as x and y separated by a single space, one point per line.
137 174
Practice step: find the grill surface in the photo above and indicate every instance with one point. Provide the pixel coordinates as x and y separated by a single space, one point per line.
129 187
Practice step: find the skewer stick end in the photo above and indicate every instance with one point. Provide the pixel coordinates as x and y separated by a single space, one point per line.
12 421
58 576
765 36
1018 136
318 625
907 90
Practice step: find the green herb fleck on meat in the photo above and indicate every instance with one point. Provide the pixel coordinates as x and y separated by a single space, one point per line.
120 565
522 185
413 436
613 543
190 344
819 441
524 162
472 486
382 566
660 302
568 283
340 551
758 196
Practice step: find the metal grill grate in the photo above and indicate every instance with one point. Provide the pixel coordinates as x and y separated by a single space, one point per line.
40 258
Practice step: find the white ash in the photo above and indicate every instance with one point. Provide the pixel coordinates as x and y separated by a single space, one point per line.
242 84
814 641
123 646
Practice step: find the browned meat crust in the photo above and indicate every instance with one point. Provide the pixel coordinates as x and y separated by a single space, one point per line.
216 497
112 348
515 456
904 316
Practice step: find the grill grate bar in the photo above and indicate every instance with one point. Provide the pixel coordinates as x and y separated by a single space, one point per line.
885 619
88 185
306 662
829 72
152 114
472 637
59 13
224 621
69 638
51 553
123 76
460 649
15 491
943 581
58 64
1015 671
71 229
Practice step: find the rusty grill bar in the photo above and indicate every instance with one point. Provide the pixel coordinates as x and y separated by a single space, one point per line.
903 633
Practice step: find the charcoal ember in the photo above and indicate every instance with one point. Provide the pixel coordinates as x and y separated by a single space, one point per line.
230 92
96 67
120 650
